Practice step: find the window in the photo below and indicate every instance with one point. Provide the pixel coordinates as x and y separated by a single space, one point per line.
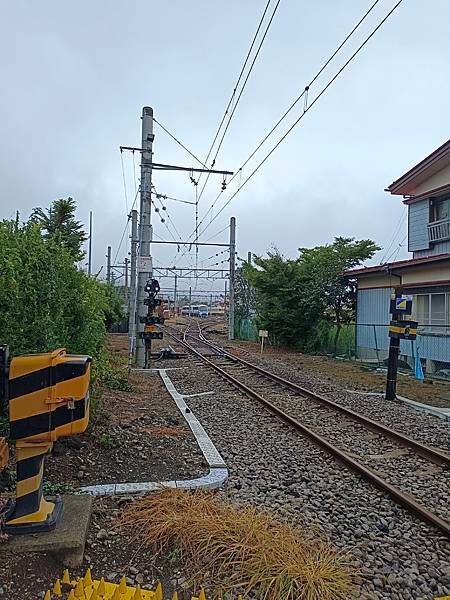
433 310
439 209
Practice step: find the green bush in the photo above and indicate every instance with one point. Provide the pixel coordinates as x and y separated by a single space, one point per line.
48 303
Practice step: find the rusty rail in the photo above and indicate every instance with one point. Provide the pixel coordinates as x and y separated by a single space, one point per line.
395 493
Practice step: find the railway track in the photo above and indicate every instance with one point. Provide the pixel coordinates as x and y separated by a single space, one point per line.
386 458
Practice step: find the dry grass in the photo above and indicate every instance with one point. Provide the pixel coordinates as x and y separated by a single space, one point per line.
238 549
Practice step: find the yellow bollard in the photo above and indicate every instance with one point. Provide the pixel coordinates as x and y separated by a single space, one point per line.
71 596
175 596
47 595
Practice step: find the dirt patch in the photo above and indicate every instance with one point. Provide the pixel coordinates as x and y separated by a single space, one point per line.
139 435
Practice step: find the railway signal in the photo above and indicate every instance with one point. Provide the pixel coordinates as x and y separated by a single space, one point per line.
48 398
150 320
399 329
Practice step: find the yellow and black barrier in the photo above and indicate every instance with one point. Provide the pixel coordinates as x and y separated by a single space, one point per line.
403 330
48 398
87 588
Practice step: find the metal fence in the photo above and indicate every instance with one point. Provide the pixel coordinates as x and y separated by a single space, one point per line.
368 343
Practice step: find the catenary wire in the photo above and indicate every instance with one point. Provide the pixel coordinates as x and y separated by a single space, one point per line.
296 122
294 103
243 85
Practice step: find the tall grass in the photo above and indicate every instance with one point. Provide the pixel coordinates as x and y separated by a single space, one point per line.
238 550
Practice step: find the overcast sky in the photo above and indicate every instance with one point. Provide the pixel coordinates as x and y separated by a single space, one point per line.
75 76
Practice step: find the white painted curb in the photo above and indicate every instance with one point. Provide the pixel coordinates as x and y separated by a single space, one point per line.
218 472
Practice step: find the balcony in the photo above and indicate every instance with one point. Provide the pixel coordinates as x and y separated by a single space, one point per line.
439 230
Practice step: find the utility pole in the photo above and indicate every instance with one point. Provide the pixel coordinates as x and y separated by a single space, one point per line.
232 269
145 270
132 295
126 282
249 258
108 265
175 298
90 244
190 299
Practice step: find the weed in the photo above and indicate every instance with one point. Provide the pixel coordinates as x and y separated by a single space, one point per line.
241 550
52 489
106 440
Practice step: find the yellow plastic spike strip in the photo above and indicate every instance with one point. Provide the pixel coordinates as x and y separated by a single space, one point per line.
86 588
57 588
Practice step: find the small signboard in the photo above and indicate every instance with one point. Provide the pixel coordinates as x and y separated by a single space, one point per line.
144 264
400 305
263 334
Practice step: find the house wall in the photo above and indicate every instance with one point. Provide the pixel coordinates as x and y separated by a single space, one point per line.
372 336
439 248
418 215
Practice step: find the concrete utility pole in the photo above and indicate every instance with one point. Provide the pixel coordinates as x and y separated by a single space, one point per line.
134 241
144 269
90 244
125 294
249 258
232 270
108 265
190 300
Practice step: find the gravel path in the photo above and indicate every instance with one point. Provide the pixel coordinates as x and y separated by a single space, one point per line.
397 555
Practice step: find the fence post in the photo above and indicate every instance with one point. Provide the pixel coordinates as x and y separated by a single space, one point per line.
376 342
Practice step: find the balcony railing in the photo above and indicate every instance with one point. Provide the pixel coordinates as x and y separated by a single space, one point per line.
439 230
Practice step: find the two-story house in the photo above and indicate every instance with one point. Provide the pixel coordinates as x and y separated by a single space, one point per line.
426 276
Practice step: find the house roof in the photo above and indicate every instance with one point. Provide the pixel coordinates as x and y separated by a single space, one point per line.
400 264
427 167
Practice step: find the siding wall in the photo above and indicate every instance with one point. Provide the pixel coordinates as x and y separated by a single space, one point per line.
439 248
372 338
418 214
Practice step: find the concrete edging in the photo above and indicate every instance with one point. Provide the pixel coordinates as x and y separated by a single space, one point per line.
218 472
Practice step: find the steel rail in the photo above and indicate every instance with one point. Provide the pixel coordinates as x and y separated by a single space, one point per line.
432 454
395 493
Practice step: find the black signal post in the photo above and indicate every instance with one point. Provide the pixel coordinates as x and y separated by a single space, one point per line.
399 329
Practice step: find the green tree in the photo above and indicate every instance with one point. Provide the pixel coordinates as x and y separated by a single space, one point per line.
59 223
293 296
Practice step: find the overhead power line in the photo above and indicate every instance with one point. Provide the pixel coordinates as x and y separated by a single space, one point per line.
238 81
306 109
242 88
295 102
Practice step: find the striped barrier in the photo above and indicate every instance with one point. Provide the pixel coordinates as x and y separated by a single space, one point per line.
48 398
86 588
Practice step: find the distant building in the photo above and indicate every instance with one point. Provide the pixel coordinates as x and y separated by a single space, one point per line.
426 276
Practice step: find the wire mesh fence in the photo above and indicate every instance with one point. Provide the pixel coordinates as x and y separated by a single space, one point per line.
368 344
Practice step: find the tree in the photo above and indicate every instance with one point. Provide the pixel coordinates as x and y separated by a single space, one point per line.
293 296
60 224
244 294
